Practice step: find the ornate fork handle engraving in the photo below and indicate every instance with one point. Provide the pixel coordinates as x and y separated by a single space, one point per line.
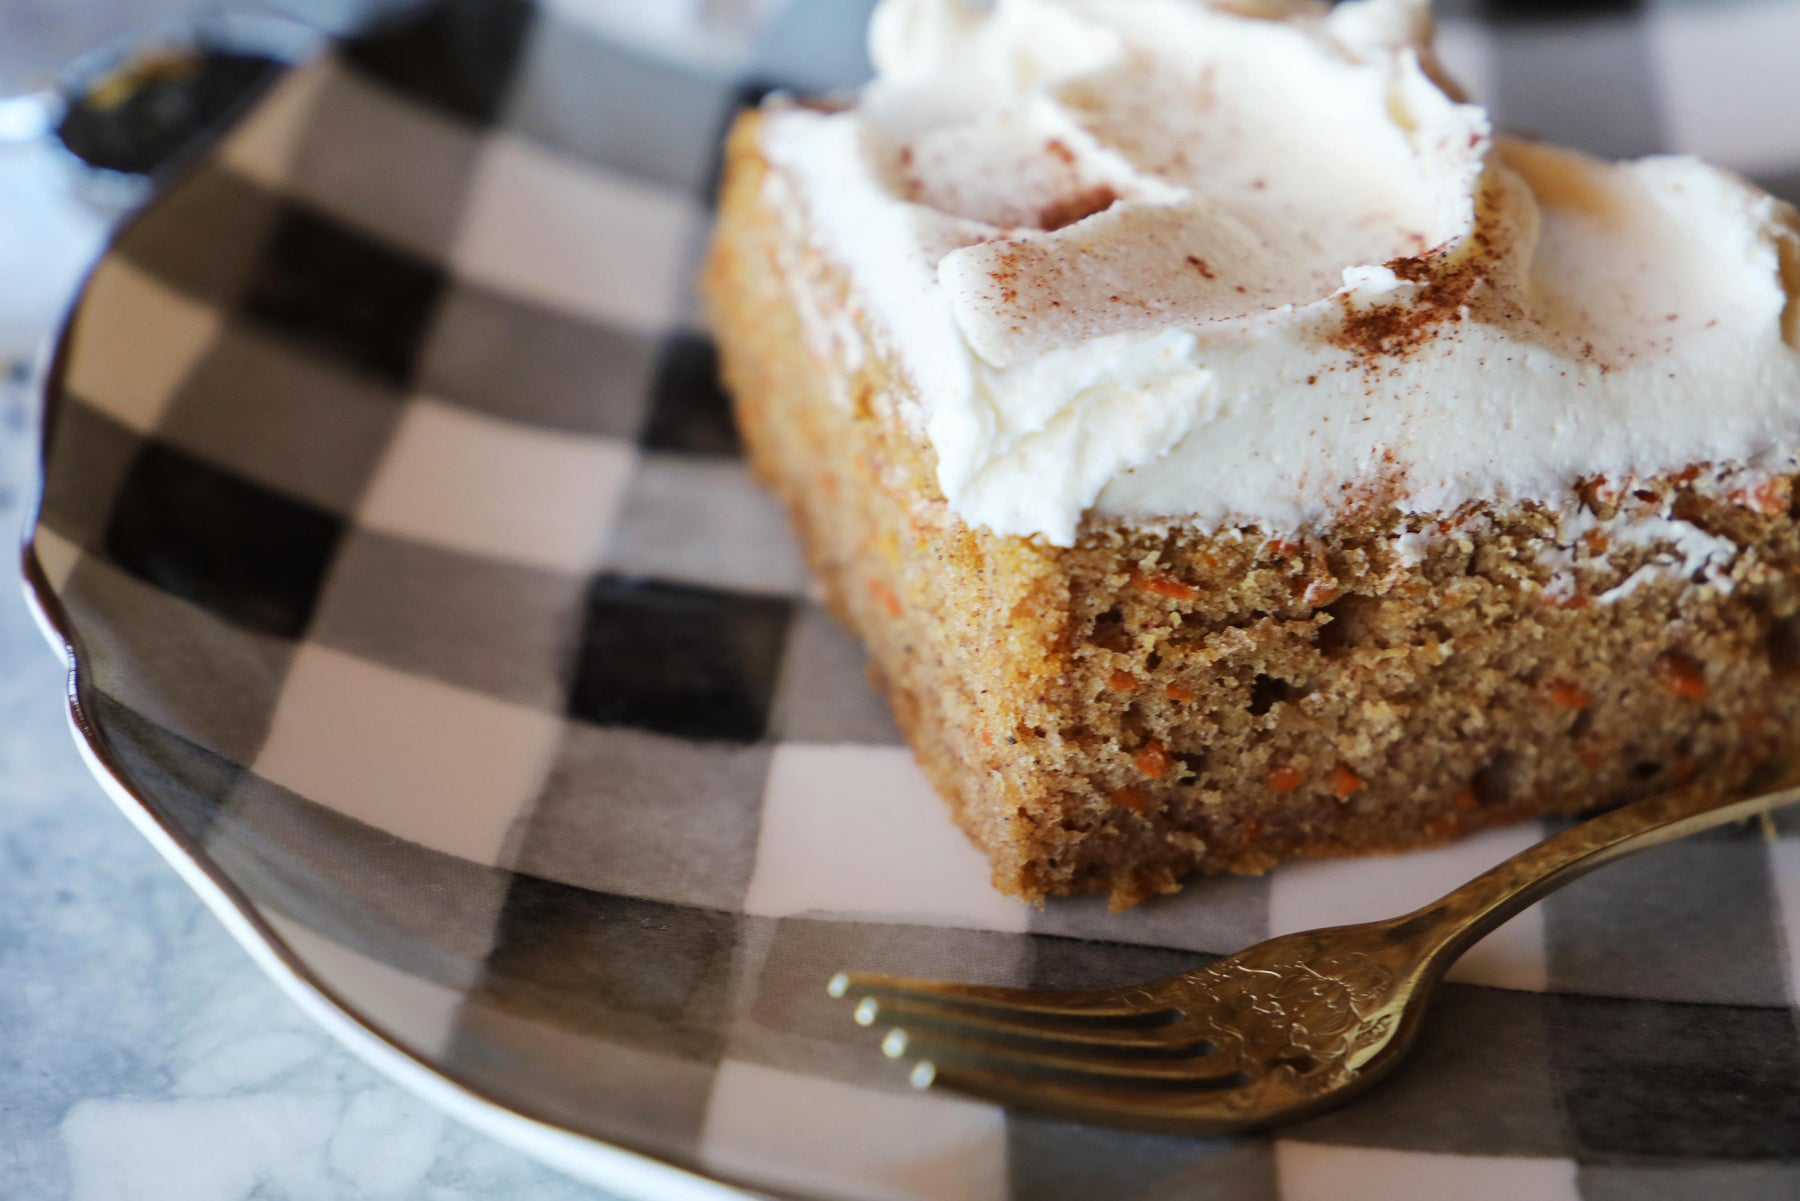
1277 1031
1462 916
1306 1016
1358 985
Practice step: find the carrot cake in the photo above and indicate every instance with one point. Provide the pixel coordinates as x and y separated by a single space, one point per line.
1230 449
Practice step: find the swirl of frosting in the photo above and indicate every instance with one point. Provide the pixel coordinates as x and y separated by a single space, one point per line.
1234 262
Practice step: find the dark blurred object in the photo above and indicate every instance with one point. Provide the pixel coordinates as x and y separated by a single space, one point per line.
1551 10
132 109
339 17
38 37
141 114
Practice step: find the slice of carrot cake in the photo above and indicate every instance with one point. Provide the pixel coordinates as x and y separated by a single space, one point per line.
1230 449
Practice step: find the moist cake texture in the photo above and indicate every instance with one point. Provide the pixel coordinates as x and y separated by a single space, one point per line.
1147 599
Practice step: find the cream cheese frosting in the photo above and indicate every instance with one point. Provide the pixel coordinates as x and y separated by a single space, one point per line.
1247 262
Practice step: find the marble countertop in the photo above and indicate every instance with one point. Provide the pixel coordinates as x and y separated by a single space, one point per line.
142 1055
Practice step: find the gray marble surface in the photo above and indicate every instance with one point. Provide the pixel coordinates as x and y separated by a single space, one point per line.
142 1055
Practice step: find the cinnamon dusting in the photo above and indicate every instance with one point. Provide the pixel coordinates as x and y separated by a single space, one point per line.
1070 209
1394 330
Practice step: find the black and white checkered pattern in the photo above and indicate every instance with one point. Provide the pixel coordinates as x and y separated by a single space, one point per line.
418 583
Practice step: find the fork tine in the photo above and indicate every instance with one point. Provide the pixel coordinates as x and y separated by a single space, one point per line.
1187 1111
1099 1004
1026 1026
1206 1070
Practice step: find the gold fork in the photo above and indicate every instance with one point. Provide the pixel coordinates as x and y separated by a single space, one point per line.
1282 1030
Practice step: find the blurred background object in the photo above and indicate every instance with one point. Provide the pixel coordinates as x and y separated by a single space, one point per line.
95 95
42 36
135 107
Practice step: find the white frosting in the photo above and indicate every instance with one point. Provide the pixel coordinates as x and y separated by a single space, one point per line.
1241 263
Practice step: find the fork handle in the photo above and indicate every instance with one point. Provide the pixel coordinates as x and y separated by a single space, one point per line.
1455 921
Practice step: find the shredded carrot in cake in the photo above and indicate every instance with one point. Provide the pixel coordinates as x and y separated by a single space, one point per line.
1568 695
1681 676
884 596
1596 750
1121 681
1443 826
1320 592
1176 692
1465 799
1129 798
1286 779
1152 759
1344 782
1769 497
1166 585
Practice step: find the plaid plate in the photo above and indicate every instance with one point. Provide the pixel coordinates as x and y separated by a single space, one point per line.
417 583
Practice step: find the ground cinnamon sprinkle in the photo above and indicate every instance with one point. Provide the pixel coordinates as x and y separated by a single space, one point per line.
1070 209
1395 329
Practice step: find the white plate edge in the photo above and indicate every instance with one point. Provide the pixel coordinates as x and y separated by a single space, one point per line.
586 1159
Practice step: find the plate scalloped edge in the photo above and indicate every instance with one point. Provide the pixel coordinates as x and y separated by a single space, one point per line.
586 1159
